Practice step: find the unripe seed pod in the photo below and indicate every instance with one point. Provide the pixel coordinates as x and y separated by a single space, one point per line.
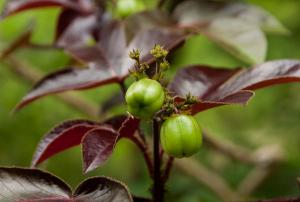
181 136
144 98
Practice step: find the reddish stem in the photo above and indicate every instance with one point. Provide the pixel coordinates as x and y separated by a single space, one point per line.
144 149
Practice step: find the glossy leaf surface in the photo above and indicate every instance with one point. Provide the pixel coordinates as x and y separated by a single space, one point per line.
215 87
23 185
97 145
62 137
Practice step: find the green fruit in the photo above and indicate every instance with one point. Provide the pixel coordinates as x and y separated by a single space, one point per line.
144 98
129 7
181 136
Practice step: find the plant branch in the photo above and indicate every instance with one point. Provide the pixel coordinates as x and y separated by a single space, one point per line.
268 157
142 145
158 188
199 172
168 168
229 149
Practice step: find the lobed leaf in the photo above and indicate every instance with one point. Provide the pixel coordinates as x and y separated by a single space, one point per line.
21 184
107 61
215 87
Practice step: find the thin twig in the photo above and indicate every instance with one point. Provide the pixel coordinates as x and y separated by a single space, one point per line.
229 149
168 168
145 151
199 172
268 157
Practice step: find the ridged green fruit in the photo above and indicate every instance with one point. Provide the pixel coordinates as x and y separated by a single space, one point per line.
181 136
144 98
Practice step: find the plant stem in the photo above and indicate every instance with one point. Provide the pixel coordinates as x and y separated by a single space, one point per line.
158 188
144 149
168 168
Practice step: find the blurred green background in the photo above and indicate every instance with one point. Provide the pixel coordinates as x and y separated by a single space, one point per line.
272 117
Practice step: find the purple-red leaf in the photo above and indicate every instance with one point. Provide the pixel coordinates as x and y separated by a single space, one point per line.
75 31
62 137
82 6
68 79
116 122
215 87
18 184
107 62
102 189
24 185
98 139
97 145
129 127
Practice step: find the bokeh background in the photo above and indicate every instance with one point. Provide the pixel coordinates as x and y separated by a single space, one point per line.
271 118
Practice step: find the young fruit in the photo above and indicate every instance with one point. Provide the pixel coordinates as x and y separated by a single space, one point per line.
181 136
128 7
144 98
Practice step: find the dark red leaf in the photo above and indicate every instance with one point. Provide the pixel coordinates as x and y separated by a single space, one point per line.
215 87
126 126
62 137
97 145
24 185
129 127
68 79
116 122
15 6
108 62
19 184
102 189
75 31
